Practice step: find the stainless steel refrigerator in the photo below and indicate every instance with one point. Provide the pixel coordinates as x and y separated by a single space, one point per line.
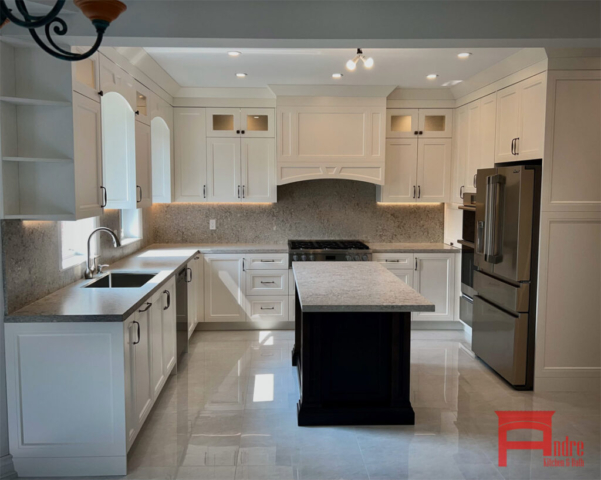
506 263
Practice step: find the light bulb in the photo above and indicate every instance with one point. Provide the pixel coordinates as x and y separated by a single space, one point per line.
337 75
464 55
234 54
351 65
368 62
241 75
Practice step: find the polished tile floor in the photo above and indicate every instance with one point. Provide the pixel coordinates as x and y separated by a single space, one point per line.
230 414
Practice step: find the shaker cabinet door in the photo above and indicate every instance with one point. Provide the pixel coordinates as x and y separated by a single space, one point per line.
143 166
223 170
433 169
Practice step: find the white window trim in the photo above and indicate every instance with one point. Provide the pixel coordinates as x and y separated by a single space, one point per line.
75 260
129 234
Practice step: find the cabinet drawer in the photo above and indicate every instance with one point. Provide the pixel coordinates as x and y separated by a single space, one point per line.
267 308
394 260
267 282
267 261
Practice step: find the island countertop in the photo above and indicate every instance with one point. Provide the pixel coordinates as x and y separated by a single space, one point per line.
354 287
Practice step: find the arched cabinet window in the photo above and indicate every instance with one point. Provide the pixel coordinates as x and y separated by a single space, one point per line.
161 160
118 151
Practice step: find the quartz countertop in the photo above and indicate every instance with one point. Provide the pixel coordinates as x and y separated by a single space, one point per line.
354 287
412 248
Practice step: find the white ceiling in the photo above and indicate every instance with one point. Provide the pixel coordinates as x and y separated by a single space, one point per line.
405 68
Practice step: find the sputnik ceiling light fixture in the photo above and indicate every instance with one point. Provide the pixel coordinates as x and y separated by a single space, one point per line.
352 63
100 12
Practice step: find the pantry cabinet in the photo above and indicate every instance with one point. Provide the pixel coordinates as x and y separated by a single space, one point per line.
224 288
422 123
417 171
520 120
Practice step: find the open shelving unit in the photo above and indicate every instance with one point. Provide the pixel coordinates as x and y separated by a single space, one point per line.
37 146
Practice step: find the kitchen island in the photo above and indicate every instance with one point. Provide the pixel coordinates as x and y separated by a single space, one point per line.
352 344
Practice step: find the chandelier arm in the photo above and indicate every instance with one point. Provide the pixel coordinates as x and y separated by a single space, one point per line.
71 57
29 20
60 29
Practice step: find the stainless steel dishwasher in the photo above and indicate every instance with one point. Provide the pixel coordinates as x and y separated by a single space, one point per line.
181 309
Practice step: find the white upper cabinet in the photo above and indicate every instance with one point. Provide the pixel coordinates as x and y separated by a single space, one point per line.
143 166
521 119
86 75
460 149
114 79
413 122
160 135
572 166
87 134
433 170
474 144
401 171
223 122
488 122
142 103
402 122
237 122
190 155
119 151
258 170
223 170
436 123
417 171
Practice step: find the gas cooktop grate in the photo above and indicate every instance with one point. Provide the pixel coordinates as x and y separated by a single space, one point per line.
327 245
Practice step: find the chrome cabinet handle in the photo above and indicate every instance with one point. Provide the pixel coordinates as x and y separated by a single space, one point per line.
267 308
104 197
168 299
148 305
392 261
267 261
140 188
461 191
188 270
137 341
267 283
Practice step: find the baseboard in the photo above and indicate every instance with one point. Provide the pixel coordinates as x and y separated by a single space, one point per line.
70 466
7 469
567 384
437 325
264 325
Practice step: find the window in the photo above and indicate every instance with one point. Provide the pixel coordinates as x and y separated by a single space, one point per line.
74 241
131 226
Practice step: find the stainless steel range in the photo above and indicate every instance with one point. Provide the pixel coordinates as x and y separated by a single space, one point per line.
328 251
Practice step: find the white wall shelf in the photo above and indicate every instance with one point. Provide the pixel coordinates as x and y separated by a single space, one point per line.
37 159
35 101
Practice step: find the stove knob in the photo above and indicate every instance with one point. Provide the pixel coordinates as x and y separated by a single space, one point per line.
364 258
357 258
295 258
349 258
312 258
304 257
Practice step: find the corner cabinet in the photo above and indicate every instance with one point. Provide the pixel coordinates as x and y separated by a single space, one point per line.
521 120
318 142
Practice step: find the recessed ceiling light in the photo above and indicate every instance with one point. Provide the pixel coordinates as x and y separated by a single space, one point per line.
464 55
234 54
432 76
241 75
337 75
451 83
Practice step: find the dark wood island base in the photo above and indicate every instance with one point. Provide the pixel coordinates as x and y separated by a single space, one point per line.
353 367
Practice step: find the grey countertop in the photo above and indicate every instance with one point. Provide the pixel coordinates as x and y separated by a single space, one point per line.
412 248
76 304
354 287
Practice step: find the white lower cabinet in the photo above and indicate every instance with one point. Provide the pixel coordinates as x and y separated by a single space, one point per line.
79 392
434 278
193 277
224 288
267 308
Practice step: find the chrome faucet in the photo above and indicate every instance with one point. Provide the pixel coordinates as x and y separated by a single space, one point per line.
91 264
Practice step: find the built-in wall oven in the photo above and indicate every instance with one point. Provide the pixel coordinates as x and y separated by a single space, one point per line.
466 301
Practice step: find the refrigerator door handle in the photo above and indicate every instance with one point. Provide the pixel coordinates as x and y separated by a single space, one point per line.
493 218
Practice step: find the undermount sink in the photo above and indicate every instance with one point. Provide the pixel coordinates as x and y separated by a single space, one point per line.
122 280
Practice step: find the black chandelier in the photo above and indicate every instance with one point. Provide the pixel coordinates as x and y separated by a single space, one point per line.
100 12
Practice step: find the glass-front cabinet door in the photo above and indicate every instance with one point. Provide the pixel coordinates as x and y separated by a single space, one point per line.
223 122
257 122
436 123
402 122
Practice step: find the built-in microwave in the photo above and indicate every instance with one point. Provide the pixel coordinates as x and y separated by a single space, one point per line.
467 257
